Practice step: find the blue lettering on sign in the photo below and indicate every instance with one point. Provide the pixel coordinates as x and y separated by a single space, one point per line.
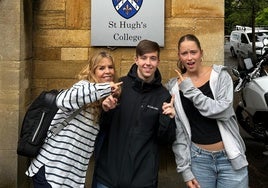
127 8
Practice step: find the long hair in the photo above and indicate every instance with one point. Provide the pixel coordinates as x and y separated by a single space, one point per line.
88 73
187 37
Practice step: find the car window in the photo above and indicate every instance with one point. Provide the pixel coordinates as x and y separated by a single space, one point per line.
234 36
258 36
244 39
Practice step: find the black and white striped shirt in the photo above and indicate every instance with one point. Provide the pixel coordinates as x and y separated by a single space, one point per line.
66 155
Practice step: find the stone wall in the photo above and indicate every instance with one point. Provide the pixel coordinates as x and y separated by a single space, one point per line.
15 79
48 51
62 38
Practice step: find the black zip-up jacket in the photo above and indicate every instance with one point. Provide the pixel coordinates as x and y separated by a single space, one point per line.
128 156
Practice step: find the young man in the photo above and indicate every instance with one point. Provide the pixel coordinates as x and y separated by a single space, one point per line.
134 124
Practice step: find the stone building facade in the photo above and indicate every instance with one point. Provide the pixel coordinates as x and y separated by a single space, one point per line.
44 43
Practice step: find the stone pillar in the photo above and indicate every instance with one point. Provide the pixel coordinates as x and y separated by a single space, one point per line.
15 77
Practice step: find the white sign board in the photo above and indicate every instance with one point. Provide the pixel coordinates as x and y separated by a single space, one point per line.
126 22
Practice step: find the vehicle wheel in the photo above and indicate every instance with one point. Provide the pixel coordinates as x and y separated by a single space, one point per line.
246 122
233 52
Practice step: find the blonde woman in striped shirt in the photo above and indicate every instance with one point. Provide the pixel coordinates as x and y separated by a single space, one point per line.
63 159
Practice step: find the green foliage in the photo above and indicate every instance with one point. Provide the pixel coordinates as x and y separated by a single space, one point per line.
241 12
262 17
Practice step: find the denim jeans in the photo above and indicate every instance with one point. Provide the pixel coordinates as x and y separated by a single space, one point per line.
99 185
39 179
214 170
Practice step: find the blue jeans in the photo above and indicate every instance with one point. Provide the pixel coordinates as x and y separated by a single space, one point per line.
39 179
214 170
99 185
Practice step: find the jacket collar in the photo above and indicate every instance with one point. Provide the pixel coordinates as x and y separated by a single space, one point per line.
139 84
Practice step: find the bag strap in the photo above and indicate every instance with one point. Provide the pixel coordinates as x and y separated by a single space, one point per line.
63 124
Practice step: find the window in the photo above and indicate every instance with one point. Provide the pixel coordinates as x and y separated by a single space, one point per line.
244 39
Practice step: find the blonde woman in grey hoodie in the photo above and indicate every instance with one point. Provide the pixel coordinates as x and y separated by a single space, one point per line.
209 150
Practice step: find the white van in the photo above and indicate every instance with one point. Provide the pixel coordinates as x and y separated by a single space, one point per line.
241 41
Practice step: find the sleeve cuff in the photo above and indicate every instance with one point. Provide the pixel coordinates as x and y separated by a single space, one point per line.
187 175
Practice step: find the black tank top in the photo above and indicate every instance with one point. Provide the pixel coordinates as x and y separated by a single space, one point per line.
204 130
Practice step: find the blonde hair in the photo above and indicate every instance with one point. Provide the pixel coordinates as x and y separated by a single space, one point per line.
88 73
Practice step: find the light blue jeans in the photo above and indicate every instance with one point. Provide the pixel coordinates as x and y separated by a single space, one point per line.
214 170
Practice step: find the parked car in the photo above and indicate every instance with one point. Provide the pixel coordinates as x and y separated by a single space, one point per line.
241 41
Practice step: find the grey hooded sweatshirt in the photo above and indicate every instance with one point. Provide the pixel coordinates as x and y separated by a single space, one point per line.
219 108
